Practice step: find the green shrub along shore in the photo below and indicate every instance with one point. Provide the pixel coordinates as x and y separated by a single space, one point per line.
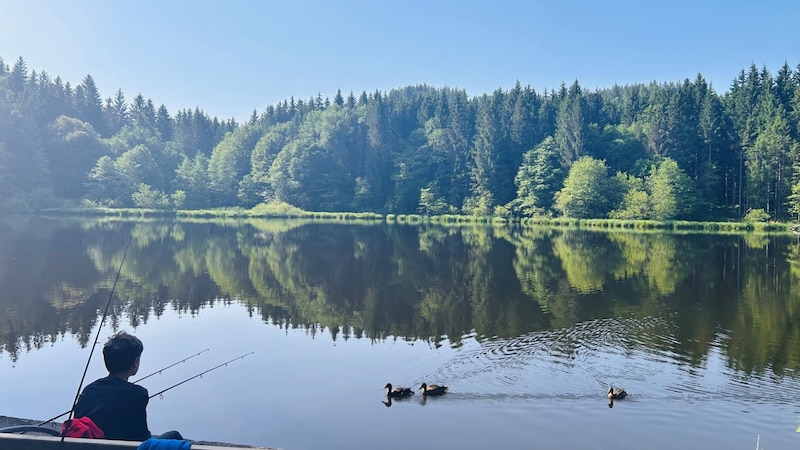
286 211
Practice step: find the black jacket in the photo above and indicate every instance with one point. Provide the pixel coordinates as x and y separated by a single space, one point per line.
117 407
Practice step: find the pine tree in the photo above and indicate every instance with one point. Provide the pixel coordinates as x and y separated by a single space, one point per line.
90 106
18 78
164 123
116 112
570 125
338 100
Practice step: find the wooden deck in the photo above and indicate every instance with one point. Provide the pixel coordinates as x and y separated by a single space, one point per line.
11 441
47 439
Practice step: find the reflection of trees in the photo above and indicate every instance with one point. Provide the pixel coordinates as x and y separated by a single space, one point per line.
409 282
587 259
655 257
765 325
43 271
537 269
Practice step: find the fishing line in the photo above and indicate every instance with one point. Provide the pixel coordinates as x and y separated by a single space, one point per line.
99 328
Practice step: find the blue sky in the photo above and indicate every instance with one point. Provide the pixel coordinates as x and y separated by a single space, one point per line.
229 58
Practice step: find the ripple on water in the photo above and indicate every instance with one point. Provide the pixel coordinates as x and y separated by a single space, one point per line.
642 356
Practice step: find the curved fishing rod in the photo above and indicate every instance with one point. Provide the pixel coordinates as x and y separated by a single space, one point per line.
200 374
140 379
99 328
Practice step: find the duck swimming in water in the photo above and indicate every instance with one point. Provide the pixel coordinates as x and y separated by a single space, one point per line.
616 394
433 389
398 392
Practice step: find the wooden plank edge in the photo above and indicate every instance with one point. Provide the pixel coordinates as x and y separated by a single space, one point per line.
11 441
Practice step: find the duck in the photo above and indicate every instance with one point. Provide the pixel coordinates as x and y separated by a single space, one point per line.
433 389
616 394
398 392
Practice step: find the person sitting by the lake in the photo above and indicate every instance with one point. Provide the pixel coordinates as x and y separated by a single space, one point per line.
117 406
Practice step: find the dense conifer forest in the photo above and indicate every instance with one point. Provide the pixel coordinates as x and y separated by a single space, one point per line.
670 150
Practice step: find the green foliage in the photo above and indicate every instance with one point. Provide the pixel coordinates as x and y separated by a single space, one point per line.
538 179
429 204
276 209
134 167
72 150
477 155
671 192
311 178
571 126
794 201
230 162
635 206
756 215
106 186
149 198
191 176
480 204
266 150
178 199
588 190
620 146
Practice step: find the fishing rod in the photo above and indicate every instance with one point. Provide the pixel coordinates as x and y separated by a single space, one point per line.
140 379
99 328
200 374
171 365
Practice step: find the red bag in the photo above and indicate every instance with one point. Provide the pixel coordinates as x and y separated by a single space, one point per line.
82 427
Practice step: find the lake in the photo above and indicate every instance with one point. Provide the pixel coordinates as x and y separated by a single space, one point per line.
527 326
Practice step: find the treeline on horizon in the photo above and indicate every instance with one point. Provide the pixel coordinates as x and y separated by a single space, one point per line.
657 151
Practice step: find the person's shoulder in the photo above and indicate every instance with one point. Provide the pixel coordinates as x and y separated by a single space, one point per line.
105 381
140 390
122 384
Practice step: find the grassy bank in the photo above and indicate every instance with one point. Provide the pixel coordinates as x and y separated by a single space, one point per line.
286 211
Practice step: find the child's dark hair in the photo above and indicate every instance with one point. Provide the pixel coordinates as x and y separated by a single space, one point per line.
121 351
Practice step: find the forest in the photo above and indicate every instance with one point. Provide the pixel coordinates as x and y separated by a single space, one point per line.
657 151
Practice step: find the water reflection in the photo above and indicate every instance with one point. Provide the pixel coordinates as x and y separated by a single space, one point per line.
562 295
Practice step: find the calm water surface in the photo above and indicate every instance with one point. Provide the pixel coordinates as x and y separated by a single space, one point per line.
528 326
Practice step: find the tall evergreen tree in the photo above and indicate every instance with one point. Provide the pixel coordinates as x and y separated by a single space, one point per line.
90 105
339 100
116 112
164 123
570 125
18 78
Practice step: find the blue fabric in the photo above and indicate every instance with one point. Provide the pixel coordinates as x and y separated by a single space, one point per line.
164 444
